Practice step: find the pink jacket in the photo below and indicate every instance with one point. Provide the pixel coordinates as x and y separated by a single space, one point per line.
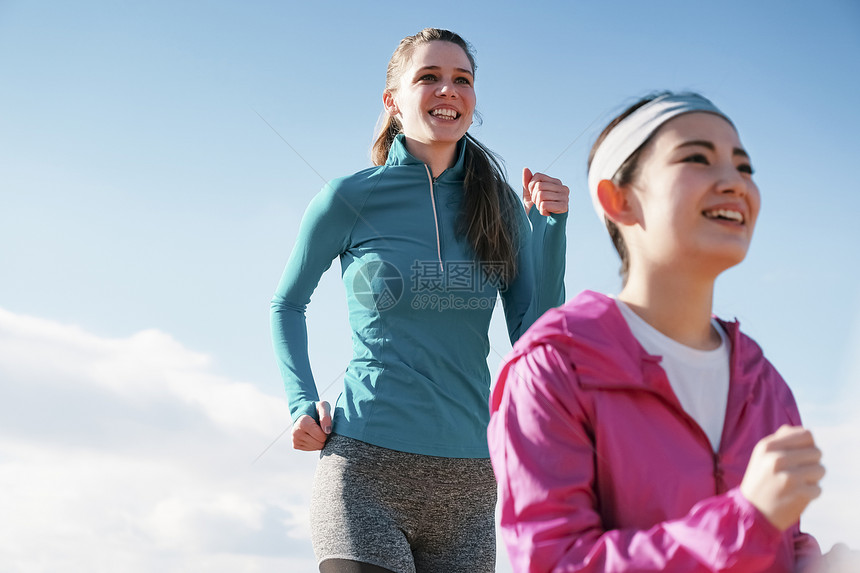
600 468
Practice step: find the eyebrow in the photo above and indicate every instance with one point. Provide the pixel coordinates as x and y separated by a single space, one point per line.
436 68
737 151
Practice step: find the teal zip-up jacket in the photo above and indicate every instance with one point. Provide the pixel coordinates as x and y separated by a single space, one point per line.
419 305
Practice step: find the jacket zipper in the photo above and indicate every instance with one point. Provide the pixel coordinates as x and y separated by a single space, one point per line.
435 216
719 479
717 472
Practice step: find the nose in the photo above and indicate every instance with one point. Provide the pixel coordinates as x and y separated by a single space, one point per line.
446 88
732 182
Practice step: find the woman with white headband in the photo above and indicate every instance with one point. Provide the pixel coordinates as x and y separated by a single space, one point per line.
637 432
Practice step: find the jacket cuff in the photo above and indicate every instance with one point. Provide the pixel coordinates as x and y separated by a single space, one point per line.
552 219
302 408
557 218
761 529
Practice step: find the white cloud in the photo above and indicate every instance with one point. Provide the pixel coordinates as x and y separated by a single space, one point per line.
832 518
131 454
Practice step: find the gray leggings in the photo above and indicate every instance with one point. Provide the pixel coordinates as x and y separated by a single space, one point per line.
405 512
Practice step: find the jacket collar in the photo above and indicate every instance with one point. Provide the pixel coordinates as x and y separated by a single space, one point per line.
399 155
591 330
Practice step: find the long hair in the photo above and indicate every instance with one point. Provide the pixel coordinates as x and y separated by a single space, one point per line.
488 217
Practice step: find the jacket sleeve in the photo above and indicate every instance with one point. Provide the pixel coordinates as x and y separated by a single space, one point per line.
323 235
543 452
807 552
539 284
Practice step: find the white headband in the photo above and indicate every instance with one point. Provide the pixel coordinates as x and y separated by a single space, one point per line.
633 131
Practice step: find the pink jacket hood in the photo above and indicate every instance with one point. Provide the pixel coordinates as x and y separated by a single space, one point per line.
602 335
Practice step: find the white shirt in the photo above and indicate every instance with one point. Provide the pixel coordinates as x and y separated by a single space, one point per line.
699 378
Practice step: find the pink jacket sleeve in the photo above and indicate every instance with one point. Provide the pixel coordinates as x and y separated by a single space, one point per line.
543 455
808 554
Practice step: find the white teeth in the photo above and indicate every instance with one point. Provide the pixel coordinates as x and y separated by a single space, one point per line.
725 214
445 113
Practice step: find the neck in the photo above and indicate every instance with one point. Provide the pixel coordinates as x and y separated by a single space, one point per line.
438 157
678 306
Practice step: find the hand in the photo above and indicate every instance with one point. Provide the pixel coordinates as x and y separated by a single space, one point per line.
841 559
308 435
782 475
548 193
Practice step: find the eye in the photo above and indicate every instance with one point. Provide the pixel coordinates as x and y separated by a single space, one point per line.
427 78
746 168
696 158
464 80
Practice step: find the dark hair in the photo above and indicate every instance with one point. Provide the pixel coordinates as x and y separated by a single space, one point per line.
488 214
624 176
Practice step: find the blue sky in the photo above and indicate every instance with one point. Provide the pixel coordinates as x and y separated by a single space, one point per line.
146 212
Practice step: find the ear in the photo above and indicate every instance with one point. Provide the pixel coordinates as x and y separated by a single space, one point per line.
389 104
617 202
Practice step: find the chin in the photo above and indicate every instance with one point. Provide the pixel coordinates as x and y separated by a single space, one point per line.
726 260
712 260
448 137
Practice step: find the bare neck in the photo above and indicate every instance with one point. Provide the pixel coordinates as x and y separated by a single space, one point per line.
438 157
678 306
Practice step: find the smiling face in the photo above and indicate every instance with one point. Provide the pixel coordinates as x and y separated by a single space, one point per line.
694 199
435 98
